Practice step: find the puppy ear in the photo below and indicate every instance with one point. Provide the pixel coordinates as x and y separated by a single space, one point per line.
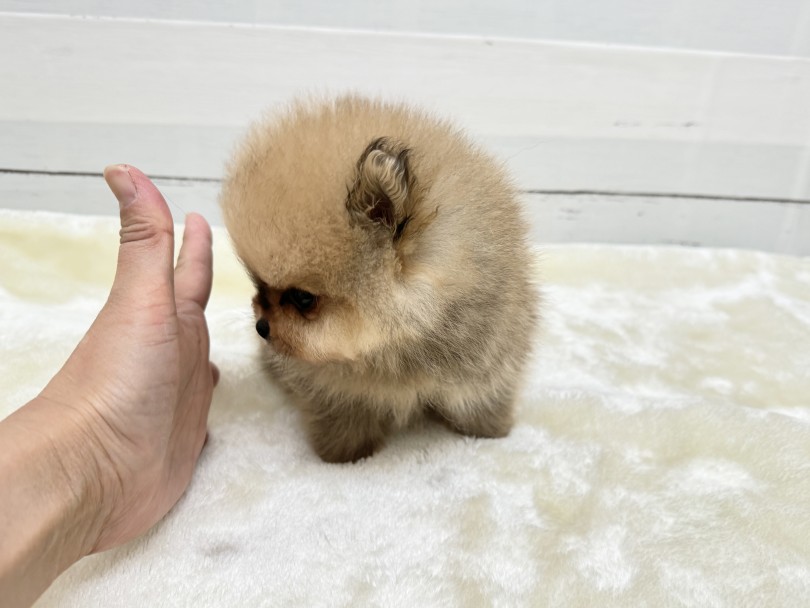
382 185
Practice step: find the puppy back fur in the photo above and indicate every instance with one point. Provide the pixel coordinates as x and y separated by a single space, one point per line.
414 242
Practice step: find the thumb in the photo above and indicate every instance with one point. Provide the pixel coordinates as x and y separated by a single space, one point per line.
146 253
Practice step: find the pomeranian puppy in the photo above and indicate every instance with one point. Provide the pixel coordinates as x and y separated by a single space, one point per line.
391 267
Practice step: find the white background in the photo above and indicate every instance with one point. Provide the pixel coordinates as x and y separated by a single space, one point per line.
677 121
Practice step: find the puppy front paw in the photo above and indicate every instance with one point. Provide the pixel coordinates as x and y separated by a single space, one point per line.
335 452
345 431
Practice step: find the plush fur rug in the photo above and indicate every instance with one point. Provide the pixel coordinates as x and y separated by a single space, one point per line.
661 455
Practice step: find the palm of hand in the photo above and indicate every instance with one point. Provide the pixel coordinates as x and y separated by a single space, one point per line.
152 448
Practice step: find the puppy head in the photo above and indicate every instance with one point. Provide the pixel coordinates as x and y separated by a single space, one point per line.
318 216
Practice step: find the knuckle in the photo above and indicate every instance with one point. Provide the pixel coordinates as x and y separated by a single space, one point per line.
142 230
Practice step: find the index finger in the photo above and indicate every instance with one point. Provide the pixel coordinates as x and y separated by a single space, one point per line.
194 272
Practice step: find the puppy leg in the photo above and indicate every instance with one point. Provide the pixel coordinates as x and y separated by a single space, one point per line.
488 418
345 431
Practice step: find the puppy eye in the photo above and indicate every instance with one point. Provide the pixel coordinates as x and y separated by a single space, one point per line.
302 300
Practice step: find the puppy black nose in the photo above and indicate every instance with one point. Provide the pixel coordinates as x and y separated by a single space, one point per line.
263 328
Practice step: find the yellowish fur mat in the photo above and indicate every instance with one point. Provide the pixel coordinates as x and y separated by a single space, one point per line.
661 454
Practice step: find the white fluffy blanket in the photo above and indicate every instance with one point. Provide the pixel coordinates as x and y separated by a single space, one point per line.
661 455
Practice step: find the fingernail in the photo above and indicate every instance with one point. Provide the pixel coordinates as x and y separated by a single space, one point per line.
120 182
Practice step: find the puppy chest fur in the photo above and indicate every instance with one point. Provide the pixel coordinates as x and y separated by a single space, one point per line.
390 262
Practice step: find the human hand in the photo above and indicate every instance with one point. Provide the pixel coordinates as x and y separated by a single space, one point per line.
110 444
138 386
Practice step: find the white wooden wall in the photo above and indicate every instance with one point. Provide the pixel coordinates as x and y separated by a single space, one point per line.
677 121
780 27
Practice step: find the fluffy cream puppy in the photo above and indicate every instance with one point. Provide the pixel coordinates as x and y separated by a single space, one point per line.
391 268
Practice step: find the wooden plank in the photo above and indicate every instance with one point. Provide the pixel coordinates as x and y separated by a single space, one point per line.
555 218
87 147
653 220
89 195
539 163
741 26
171 97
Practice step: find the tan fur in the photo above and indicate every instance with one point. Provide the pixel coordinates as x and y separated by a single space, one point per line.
413 242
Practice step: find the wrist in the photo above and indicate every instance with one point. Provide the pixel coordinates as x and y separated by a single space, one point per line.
54 509
76 458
